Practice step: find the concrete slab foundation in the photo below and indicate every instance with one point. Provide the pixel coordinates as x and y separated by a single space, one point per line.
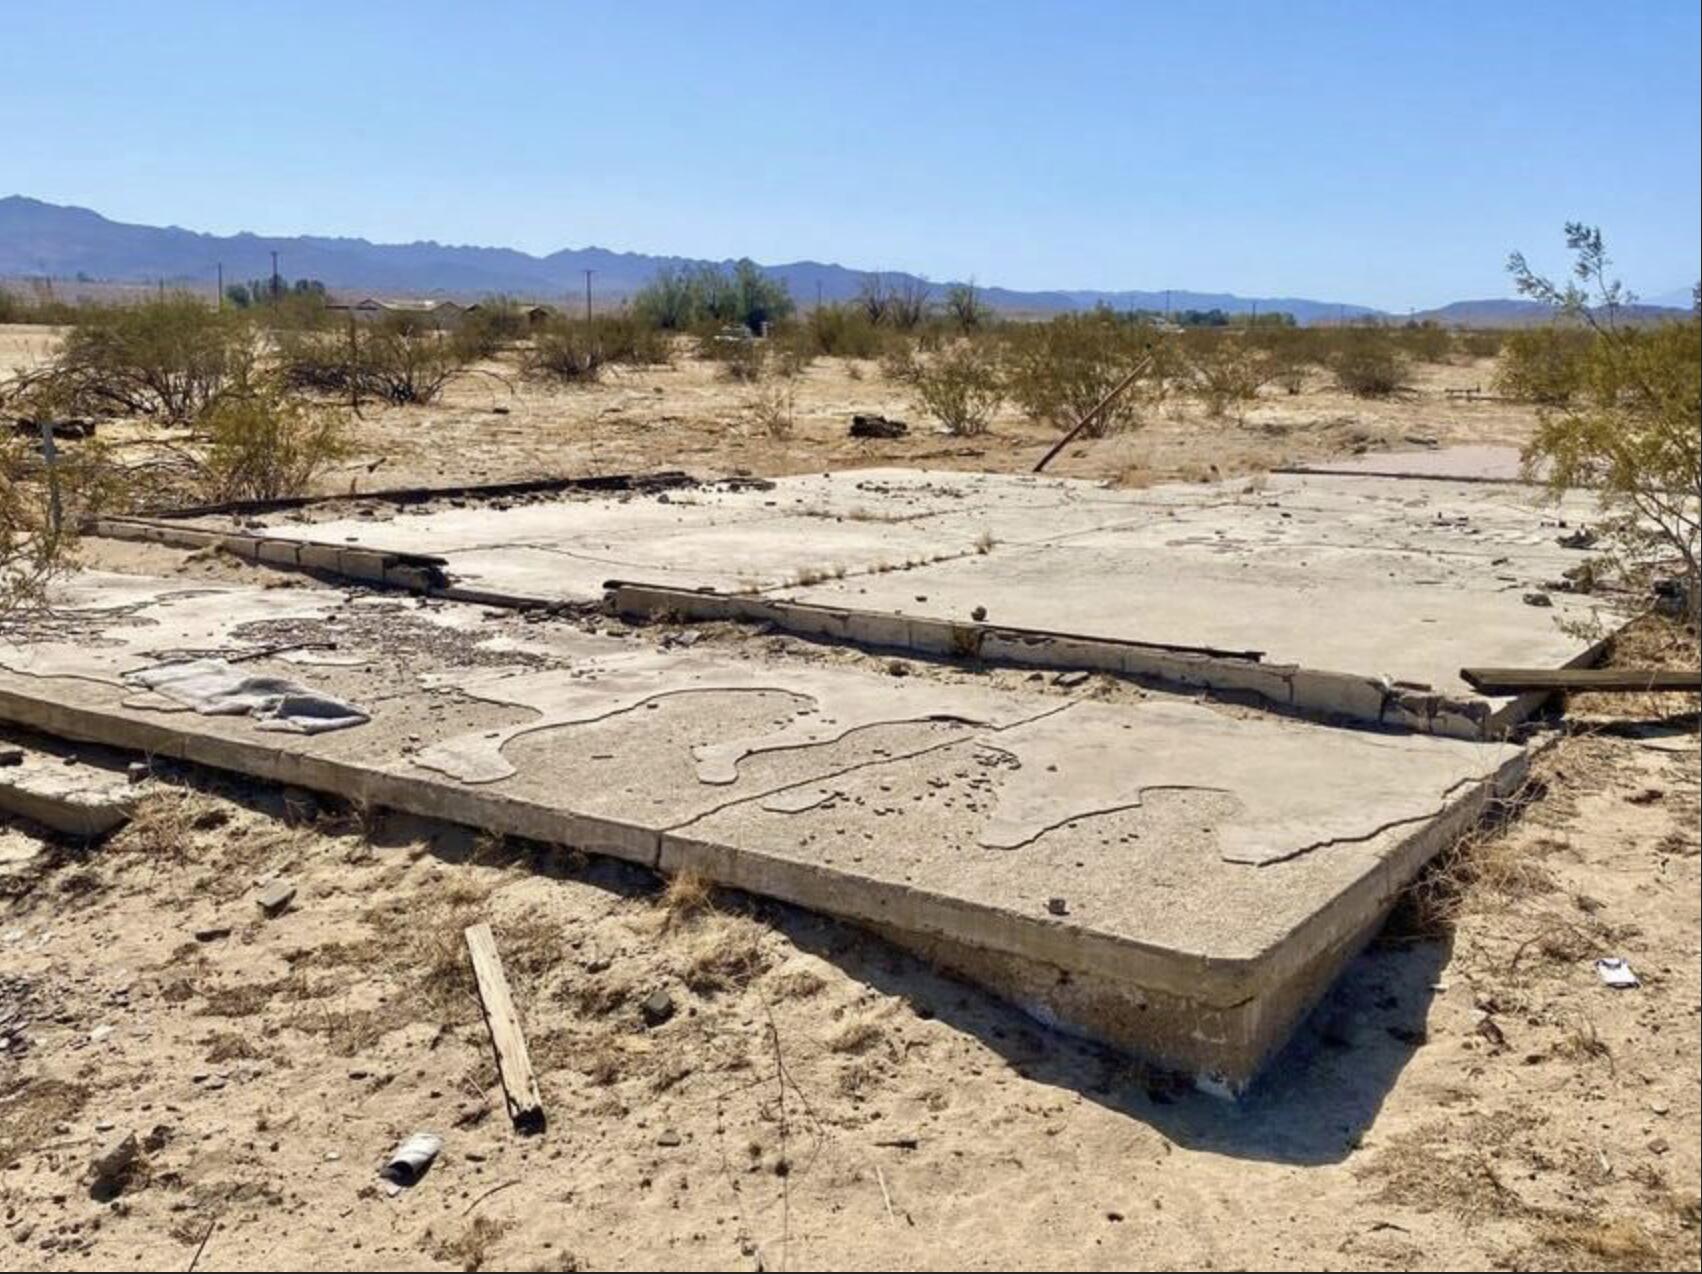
1386 580
1180 879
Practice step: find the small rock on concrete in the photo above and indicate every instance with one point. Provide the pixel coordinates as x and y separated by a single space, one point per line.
657 1008
978 614
1057 906
1075 677
668 1138
212 933
1538 599
275 899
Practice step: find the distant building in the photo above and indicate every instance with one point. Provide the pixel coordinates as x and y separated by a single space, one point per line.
535 315
440 313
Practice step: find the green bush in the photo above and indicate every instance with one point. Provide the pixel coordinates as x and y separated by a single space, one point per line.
1480 342
1544 365
262 444
1368 363
575 351
1632 429
679 300
1225 369
1060 370
960 387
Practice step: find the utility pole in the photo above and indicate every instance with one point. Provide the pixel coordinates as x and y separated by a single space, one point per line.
588 275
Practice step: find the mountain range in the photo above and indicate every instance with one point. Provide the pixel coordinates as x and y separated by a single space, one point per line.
60 242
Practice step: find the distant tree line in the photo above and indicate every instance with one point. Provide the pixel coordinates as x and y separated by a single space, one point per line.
260 291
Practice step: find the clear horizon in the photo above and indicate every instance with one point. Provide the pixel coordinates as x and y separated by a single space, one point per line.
1388 157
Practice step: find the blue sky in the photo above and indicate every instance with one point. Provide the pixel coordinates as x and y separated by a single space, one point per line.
1384 153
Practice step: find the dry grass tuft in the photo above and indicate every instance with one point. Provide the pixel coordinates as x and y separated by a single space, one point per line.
1434 1168
796 984
723 953
471 1249
1484 867
30 1109
857 1034
165 822
1600 1243
687 895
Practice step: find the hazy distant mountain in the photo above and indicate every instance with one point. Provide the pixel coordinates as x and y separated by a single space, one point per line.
1496 312
42 239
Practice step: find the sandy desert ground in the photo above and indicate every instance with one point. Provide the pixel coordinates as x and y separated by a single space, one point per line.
1470 1095
495 427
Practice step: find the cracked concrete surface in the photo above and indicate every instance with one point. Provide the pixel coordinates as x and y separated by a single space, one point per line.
1215 864
1433 569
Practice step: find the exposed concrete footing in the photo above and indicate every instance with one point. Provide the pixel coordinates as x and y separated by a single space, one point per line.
1221 1047
1216 1019
72 799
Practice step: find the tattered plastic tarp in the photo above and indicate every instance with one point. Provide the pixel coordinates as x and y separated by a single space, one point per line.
213 687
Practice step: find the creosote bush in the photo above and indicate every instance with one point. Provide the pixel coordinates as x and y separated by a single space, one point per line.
575 351
1544 365
961 387
1633 427
1060 370
1368 362
262 444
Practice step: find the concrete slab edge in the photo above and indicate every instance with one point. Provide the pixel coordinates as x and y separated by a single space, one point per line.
1309 692
1251 1004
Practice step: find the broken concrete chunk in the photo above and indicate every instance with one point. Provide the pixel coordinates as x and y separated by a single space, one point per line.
276 897
1075 677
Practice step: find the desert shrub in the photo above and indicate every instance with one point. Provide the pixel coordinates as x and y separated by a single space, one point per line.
960 387
1479 342
843 331
169 357
899 363
398 359
1544 365
262 444
1290 352
1224 368
575 351
1633 429
678 300
1060 370
738 355
42 306
1428 342
40 513
1368 363
775 409
492 325
965 308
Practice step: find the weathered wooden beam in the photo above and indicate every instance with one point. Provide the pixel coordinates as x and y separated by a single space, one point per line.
514 1064
1517 681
